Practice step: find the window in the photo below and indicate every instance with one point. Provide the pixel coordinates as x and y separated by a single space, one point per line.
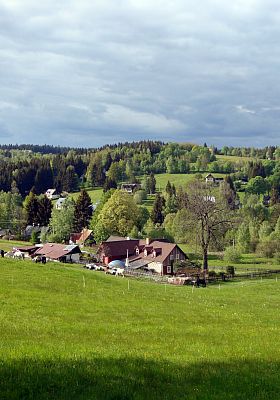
177 256
169 269
137 251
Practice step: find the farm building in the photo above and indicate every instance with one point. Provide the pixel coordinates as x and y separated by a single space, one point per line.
81 237
59 252
142 254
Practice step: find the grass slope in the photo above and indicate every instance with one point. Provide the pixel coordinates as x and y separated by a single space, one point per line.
178 179
67 333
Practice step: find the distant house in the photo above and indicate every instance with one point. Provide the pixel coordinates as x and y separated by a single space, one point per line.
143 254
50 193
59 203
59 252
211 179
81 237
130 187
34 228
6 233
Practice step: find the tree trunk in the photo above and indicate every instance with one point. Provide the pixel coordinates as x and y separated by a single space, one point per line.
205 259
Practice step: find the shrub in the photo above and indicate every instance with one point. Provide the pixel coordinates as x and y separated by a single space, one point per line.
268 248
230 270
232 254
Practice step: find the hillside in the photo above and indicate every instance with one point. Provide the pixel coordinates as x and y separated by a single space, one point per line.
67 333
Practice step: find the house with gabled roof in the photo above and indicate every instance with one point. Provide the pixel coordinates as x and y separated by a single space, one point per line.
155 255
59 252
51 195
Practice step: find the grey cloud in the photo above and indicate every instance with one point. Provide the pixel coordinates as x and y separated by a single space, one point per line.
85 73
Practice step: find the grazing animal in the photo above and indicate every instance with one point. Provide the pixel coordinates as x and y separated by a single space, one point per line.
18 255
120 272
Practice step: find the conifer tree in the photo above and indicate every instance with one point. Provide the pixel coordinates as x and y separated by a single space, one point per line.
157 213
83 211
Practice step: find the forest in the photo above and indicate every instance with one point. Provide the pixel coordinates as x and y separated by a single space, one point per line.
246 190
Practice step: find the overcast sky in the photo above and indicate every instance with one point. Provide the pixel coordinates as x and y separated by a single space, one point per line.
90 72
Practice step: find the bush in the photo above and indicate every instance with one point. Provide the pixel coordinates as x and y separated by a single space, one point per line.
268 249
139 196
232 254
277 257
230 270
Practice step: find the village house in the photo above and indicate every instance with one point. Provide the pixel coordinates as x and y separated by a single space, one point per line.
81 237
59 203
154 255
130 187
50 193
59 252
211 179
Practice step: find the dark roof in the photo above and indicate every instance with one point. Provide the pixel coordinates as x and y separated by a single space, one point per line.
119 248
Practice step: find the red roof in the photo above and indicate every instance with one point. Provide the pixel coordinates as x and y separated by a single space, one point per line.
119 248
56 251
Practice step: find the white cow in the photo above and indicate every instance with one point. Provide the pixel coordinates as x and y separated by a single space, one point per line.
18 255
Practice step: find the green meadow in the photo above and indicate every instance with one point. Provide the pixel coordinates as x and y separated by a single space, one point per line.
69 333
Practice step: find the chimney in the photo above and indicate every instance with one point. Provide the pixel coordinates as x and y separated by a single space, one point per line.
147 241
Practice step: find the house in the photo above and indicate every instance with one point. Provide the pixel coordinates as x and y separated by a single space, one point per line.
59 203
130 187
50 193
27 233
28 251
211 179
59 252
81 237
156 255
6 234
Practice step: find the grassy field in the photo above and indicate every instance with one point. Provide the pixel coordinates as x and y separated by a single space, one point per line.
8 245
95 194
67 333
178 179
248 261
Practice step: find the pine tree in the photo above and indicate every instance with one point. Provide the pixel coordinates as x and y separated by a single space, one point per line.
168 188
109 184
31 206
44 211
152 183
157 213
83 211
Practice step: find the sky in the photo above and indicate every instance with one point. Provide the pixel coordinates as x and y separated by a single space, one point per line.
90 72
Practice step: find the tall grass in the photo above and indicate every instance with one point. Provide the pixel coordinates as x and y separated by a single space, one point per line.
67 333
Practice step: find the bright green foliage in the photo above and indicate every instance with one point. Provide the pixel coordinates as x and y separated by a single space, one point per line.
257 185
118 215
265 231
232 254
62 222
243 237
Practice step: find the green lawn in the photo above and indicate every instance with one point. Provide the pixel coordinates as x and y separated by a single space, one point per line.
67 333
178 179
95 194
8 245
248 261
